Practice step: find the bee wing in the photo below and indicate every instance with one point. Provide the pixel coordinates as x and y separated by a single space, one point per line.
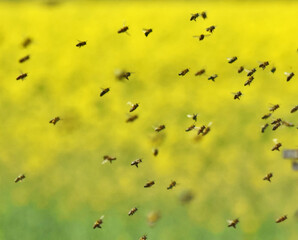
196 36
104 161
229 221
102 217
189 115
130 103
287 73
275 140
209 124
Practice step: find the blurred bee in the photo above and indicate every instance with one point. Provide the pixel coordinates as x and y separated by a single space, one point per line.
264 127
294 109
201 72
126 75
276 146
23 59
194 16
172 184
108 158
27 42
81 44
159 128
183 72
268 177
273 108
249 81
193 116
133 106
147 31
104 91
20 178
273 69
263 65
250 72
210 29
237 95
202 36
98 223
192 127
207 129
132 211
266 116
144 237
276 126
22 76
186 196
155 152
287 124
289 75
136 162
281 219
132 118
233 223
55 120
149 184
212 78
240 70
152 218
124 29
121 74
204 15
232 59
201 129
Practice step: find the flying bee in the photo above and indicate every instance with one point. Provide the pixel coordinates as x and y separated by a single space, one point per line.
212 78
172 184
278 120
133 106
155 152
201 72
273 108
27 42
192 127
183 72
240 69
144 237
273 69
233 223
276 126
98 223
22 76
194 16
104 91
193 116
204 15
126 75
149 184
264 127
268 177
123 29
23 59
107 158
202 36
232 59
267 116
289 75
249 81
294 109
281 219
132 118
20 178
287 124
81 44
237 95
206 130
159 128
276 146
263 65
210 29
136 162
250 72
147 31
132 211
201 129
55 120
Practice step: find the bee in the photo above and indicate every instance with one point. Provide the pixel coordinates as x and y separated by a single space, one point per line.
132 211
267 116
98 223
287 124
202 36
273 108
263 65
250 72
294 109
190 128
149 184
276 126
281 219
212 78
233 223
206 130
194 16
240 69
27 42
201 72
104 91
132 118
183 72
249 81
122 30
276 146
22 76
210 29
144 237
273 69
232 59
133 106
23 59
81 44
172 184
237 95
55 120
193 116
107 158
278 120
204 15
153 217
159 128
155 152
20 178
289 75
136 162
268 177
147 31
264 127
201 129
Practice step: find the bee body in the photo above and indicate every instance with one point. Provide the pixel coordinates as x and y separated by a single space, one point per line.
136 162
55 120
281 219
294 109
251 72
237 95
194 16
144 237
201 72
240 69
266 116
132 118
27 42
190 128
276 147
233 223
268 177
204 15
104 91
276 126
212 78
155 152
81 44
122 30
264 65
149 184
108 158
232 59
23 59
183 72
19 178
210 29
201 129
273 108
159 128
249 81
273 69
289 76
172 184
264 127
132 211
22 76
98 223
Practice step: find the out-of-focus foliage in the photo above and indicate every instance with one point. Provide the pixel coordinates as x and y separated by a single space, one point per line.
67 188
